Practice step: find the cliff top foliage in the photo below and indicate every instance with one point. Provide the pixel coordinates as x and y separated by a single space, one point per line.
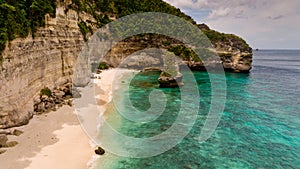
18 18
227 39
101 10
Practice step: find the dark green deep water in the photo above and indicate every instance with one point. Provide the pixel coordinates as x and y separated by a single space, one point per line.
259 128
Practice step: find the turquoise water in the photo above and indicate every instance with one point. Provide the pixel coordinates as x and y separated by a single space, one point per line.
259 128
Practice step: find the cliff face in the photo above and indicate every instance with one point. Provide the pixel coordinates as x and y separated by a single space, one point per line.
48 60
233 57
30 64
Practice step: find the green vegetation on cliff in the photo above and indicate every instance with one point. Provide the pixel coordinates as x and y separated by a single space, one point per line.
104 11
20 17
184 52
227 39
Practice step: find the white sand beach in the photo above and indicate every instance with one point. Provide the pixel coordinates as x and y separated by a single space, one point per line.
55 140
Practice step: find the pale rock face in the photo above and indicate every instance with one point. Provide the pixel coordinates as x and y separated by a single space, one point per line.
231 59
236 61
31 64
49 60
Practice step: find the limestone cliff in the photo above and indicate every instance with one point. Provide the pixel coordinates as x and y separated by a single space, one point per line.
30 64
48 60
234 57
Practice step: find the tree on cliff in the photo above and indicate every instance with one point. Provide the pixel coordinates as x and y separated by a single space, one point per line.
19 17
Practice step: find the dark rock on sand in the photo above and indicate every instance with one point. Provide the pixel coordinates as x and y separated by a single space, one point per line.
14 119
3 140
99 151
10 144
2 151
59 96
76 93
17 132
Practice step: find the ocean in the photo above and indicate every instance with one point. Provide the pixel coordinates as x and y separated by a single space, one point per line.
259 127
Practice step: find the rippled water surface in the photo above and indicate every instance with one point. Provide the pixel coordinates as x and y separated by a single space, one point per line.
259 128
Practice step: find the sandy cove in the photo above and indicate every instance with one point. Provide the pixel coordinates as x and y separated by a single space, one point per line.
55 140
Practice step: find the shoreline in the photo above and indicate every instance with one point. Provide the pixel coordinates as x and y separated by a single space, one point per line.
49 141
57 139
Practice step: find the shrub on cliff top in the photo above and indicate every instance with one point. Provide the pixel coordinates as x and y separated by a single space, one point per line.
103 66
46 91
228 39
101 9
165 74
19 17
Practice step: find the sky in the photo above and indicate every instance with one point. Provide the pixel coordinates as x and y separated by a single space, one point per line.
264 24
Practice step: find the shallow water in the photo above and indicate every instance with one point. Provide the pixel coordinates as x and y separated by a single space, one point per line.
259 127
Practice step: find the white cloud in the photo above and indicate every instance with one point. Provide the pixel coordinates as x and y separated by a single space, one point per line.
189 3
218 7
263 23
221 12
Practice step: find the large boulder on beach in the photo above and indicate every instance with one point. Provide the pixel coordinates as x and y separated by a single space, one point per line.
17 132
3 140
99 151
2 151
76 93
